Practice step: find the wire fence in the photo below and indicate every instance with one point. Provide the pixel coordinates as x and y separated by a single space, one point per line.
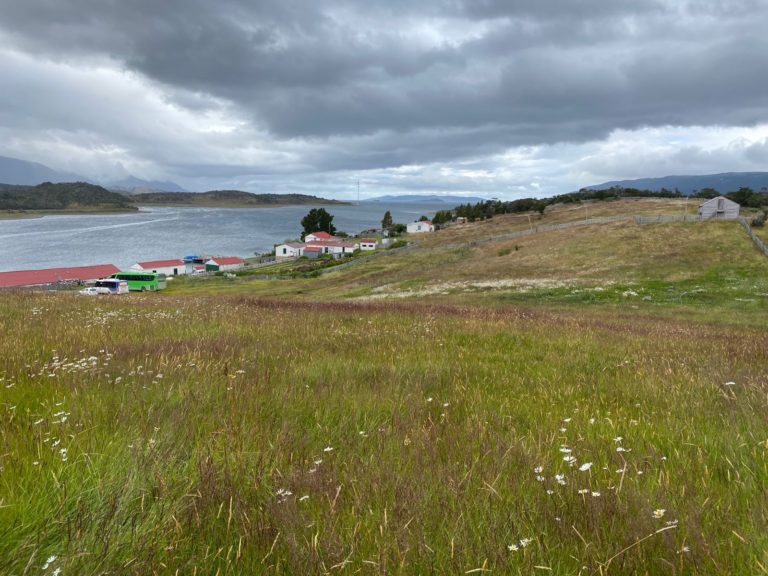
755 238
668 218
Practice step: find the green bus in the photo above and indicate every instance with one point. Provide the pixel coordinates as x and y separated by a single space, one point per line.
142 281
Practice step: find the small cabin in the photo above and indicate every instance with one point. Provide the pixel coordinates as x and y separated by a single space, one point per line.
289 251
320 237
420 226
719 208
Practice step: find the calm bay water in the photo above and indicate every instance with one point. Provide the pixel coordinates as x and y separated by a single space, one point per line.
159 233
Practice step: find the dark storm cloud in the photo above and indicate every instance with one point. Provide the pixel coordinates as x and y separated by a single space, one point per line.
391 83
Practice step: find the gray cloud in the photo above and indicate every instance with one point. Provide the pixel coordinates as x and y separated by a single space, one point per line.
335 86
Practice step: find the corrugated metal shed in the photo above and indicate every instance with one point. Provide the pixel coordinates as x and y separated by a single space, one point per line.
719 208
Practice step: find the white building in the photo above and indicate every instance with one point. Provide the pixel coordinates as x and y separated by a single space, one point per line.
167 267
720 208
319 237
423 226
335 247
368 244
289 251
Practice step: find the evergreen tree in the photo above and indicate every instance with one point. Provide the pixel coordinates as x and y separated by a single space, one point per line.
387 222
318 220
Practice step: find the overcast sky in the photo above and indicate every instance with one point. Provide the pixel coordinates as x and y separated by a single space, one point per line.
486 97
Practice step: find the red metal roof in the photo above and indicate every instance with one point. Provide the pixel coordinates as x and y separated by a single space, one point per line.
313 249
368 240
160 264
53 275
226 260
322 236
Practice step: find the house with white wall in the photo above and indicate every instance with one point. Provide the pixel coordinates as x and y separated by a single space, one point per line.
174 267
337 248
368 244
421 226
319 237
289 250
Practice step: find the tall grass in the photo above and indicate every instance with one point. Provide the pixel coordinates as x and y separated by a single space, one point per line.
238 436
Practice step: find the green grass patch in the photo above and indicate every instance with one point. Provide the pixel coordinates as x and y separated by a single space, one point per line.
164 434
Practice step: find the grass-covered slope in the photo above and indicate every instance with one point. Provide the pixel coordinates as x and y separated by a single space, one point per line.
223 435
699 264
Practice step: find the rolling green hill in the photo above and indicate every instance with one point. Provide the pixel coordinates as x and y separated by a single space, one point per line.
74 196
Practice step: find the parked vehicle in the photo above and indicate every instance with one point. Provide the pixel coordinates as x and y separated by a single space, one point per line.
112 286
142 281
90 291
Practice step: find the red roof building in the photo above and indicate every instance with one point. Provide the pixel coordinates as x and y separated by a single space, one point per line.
322 236
54 275
160 264
227 260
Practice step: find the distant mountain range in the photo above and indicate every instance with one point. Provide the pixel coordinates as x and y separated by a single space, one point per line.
725 182
24 173
426 198
133 185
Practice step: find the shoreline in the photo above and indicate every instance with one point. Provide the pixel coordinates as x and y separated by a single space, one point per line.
234 205
33 214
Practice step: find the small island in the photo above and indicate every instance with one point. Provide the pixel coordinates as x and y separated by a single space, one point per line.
70 198
227 199
84 198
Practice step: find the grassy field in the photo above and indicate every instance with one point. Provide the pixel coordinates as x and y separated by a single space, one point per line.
237 436
691 266
583 401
